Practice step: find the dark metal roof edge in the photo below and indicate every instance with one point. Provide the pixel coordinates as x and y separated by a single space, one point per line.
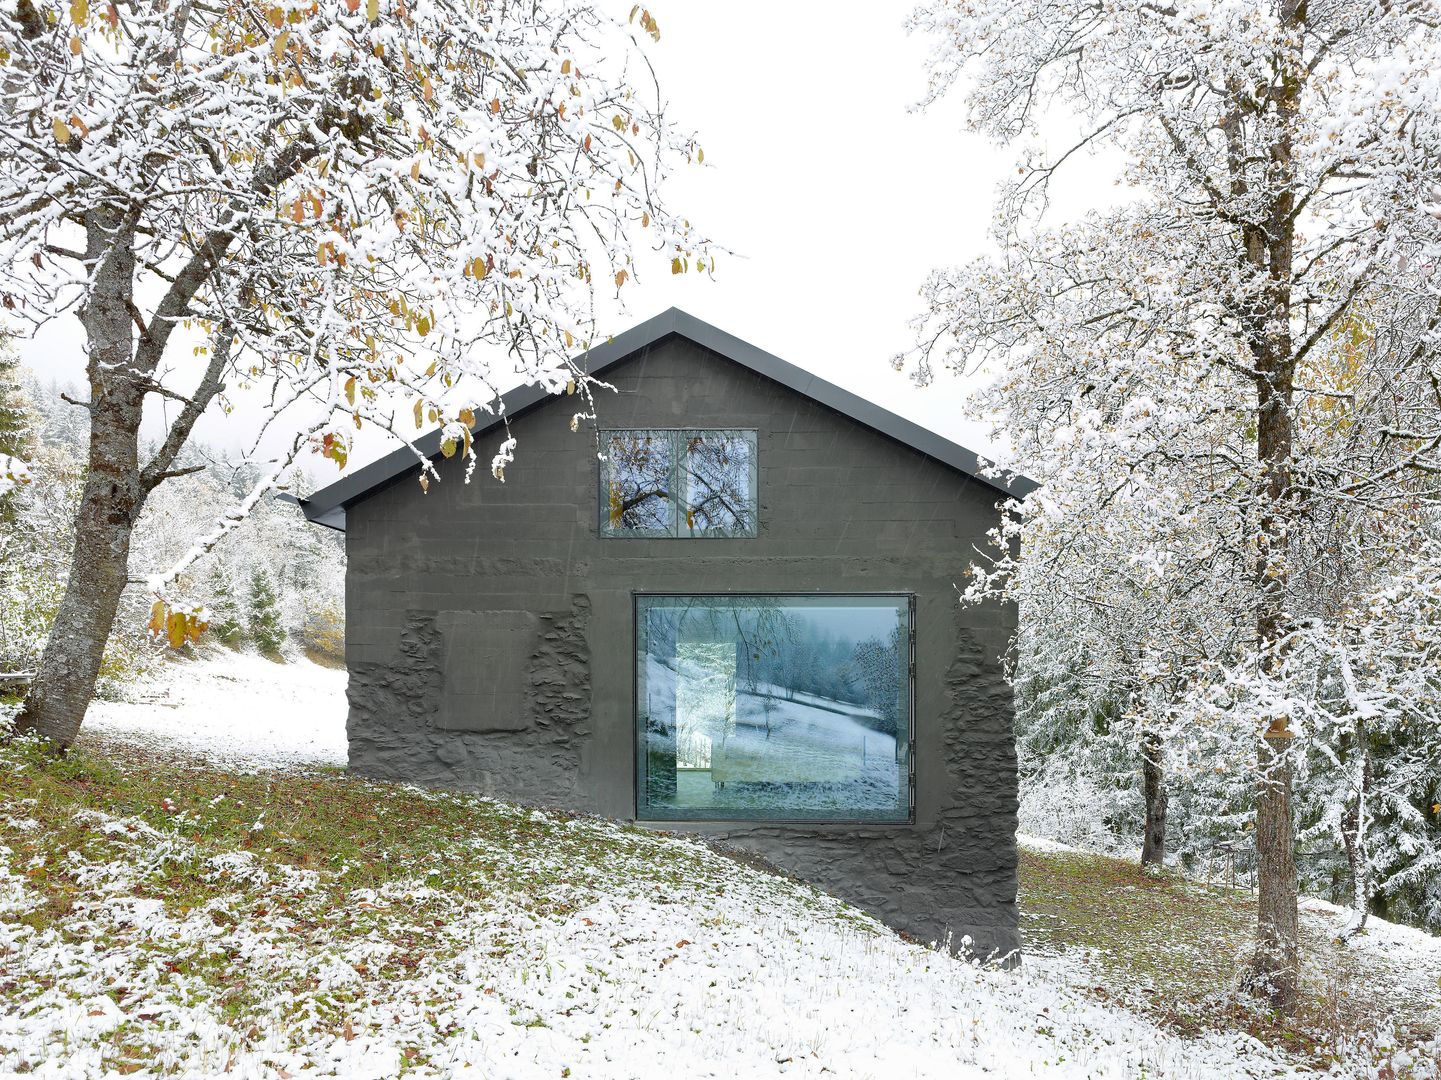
332 519
846 403
327 505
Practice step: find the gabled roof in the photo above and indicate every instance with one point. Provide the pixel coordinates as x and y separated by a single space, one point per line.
327 506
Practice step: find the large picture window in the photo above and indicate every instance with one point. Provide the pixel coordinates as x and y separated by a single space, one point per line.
778 707
668 482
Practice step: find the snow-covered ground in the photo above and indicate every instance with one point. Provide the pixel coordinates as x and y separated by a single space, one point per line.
627 972
236 709
726 972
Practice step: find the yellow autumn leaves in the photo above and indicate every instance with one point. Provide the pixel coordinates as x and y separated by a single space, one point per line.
647 22
65 130
176 625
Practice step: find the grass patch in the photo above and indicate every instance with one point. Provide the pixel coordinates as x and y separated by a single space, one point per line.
351 833
283 905
1177 948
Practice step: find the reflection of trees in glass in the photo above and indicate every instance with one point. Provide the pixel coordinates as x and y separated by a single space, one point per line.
717 490
781 653
638 474
663 482
877 666
705 699
773 706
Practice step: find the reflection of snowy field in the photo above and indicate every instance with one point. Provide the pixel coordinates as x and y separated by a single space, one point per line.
810 754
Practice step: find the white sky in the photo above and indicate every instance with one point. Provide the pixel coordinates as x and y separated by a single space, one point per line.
835 195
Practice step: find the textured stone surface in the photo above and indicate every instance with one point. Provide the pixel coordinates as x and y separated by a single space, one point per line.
403 721
513 580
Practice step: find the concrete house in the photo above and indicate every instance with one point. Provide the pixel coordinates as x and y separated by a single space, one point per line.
731 610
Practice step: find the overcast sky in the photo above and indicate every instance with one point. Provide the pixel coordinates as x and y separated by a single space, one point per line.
836 196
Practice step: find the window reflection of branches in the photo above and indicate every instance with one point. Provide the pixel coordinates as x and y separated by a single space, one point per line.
717 488
687 483
638 482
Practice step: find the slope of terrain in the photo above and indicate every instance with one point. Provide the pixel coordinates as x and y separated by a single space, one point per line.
1175 949
197 890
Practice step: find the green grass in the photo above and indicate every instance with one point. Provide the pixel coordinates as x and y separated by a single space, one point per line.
1177 949
109 820
356 834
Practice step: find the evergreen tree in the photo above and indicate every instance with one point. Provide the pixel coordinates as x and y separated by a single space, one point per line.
225 623
266 629
14 415
15 425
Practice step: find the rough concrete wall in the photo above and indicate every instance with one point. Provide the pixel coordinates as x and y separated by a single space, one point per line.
407 723
490 633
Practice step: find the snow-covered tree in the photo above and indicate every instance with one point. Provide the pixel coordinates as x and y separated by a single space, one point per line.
361 207
15 423
263 615
1272 256
14 430
1364 692
226 623
874 662
307 565
34 533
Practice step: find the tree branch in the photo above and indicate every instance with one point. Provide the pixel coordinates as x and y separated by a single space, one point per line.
157 469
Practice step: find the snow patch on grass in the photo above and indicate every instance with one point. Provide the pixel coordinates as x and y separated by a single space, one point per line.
650 956
236 709
232 918
1041 845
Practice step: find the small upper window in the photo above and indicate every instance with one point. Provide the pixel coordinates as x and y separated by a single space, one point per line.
678 483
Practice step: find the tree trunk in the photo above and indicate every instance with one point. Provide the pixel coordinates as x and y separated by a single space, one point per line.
1276 973
1353 834
1153 785
1269 245
110 501
1276 968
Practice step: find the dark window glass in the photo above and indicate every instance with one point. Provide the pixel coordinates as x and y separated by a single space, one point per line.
773 707
678 483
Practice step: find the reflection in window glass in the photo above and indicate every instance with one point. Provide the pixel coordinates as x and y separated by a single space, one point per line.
773 707
637 483
718 488
678 483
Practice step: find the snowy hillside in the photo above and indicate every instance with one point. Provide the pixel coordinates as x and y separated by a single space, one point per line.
162 915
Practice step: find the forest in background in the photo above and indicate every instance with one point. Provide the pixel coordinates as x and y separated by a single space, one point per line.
276 587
